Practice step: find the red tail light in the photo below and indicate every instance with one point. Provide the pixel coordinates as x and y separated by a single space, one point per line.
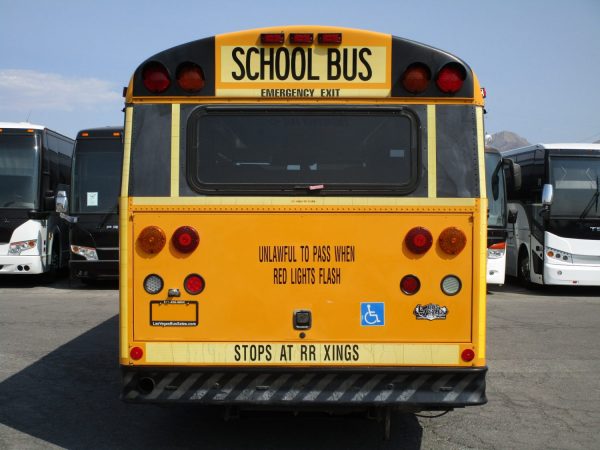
272 38
410 284
418 240
451 78
194 284
152 239
156 77
185 239
452 241
190 77
416 78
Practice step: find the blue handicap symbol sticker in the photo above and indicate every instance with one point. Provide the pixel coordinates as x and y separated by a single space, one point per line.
372 314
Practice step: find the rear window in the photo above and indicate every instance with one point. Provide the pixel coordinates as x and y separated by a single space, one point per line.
298 150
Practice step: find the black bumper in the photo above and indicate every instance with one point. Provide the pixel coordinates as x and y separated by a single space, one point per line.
95 270
416 389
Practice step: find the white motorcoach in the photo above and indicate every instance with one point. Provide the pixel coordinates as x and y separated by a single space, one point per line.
556 236
34 161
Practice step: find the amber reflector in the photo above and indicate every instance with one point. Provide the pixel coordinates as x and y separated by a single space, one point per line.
452 241
152 239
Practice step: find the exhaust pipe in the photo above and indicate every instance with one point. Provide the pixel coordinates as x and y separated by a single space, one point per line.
146 385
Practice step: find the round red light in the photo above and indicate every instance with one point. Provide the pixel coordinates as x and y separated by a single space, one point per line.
194 284
190 77
418 240
410 284
467 355
416 77
185 239
136 353
451 78
156 77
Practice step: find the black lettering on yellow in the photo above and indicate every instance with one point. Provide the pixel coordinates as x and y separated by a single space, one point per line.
234 56
330 275
237 356
349 65
282 57
334 67
310 66
266 62
255 75
279 275
369 72
345 253
298 63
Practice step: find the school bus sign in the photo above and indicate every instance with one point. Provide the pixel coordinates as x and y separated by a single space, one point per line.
248 68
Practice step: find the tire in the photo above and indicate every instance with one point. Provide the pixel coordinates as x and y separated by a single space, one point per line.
524 271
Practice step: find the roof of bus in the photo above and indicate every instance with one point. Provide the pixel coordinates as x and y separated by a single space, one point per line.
558 146
100 132
21 126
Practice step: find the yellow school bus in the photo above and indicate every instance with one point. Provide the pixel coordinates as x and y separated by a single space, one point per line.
303 224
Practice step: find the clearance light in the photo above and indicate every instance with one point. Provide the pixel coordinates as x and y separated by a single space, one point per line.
301 38
185 239
467 355
152 239
190 77
410 285
153 284
136 353
418 240
85 134
451 78
451 285
272 38
330 38
416 77
194 284
116 134
496 250
156 77
452 241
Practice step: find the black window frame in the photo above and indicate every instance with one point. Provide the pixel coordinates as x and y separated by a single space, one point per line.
292 189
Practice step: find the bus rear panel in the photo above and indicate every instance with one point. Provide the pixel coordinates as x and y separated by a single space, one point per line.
305 237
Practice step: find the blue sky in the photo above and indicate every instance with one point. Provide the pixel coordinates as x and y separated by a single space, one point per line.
64 63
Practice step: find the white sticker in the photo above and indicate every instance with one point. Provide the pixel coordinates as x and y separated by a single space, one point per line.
92 199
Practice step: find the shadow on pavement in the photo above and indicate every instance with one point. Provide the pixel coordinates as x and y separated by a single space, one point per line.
514 286
70 398
61 281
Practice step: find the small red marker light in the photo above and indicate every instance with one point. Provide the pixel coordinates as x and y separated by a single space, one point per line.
194 284
272 38
136 353
467 355
301 38
330 38
410 284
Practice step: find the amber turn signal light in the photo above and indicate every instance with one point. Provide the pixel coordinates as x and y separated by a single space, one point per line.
152 239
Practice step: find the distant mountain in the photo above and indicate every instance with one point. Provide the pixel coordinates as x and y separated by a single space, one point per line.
507 140
597 142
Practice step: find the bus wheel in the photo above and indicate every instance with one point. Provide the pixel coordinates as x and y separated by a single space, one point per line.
524 270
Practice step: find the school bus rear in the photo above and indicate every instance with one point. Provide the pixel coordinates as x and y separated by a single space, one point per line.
303 224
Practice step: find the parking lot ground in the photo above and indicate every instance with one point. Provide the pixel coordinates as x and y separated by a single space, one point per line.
59 382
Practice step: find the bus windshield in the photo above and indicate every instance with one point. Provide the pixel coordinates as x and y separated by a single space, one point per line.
495 190
19 171
576 189
291 148
97 175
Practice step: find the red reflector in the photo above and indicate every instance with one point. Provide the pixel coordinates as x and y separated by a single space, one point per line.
185 239
136 353
193 284
272 38
498 246
452 241
416 78
418 240
467 355
156 77
450 78
410 284
330 38
190 77
301 38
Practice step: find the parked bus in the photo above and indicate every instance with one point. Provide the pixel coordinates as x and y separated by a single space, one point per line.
94 204
556 237
34 163
303 224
